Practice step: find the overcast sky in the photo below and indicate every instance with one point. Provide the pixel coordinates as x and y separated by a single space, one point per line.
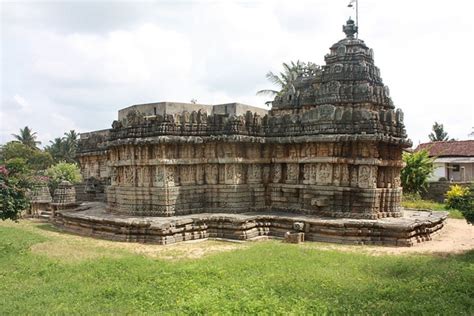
72 64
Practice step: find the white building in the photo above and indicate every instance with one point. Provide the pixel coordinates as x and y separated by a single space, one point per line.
454 160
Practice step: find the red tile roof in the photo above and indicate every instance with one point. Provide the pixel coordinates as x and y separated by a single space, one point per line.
464 148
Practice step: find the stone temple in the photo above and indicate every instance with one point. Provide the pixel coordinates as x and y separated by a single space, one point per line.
324 161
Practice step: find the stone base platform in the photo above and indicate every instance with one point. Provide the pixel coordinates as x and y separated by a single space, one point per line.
91 219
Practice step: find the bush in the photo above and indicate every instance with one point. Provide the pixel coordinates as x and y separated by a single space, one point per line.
461 198
12 195
417 170
63 171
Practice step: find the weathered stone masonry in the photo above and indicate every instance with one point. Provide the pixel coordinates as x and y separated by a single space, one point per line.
332 147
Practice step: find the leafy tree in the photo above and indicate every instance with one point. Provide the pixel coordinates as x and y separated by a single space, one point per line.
64 148
414 176
285 81
438 134
63 171
17 166
36 159
12 193
27 137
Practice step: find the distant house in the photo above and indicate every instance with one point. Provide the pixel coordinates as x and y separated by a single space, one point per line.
454 160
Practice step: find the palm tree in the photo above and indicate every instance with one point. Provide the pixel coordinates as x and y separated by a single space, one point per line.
56 149
27 137
438 134
285 81
64 148
71 139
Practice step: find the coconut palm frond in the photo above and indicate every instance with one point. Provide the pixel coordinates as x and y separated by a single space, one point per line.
286 79
275 79
267 92
27 137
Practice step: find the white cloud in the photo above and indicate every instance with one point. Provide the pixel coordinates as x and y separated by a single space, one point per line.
74 64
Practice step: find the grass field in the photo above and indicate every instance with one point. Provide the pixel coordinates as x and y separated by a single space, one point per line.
418 203
45 272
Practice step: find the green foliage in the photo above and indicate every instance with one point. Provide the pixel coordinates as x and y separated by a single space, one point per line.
64 148
263 278
40 160
12 190
17 166
461 198
36 159
414 176
63 171
27 137
438 133
285 81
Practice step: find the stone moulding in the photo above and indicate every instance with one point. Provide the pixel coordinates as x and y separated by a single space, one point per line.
92 220
331 147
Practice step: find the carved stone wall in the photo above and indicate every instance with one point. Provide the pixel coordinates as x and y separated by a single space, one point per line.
329 179
330 147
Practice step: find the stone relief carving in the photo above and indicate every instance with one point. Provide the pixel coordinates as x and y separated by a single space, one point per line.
212 174
159 180
324 173
254 173
276 173
293 171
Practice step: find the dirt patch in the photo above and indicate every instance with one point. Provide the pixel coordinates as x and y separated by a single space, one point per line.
186 250
73 249
457 236
68 251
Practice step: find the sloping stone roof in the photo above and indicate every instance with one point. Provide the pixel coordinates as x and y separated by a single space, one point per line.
464 148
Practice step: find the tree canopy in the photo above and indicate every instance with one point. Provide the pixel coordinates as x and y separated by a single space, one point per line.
27 137
438 134
64 148
35 158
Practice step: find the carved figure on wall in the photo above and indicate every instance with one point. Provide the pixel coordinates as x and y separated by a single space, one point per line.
199 174
276 173
212 174
129 175
307 173
324 175
170 175
159 180
364 176
293 171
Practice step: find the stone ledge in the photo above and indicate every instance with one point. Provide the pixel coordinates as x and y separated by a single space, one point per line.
91 219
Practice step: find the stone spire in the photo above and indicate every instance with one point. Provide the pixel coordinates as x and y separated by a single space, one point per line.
350 28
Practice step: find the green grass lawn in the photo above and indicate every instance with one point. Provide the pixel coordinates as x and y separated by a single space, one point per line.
418 203
44 272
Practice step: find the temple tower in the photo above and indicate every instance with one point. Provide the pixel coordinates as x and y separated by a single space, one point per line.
331 146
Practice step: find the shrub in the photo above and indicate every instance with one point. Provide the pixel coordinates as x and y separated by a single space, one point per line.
12 196
63 171
417 170
461 198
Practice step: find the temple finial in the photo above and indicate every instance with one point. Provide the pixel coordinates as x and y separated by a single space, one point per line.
350 28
